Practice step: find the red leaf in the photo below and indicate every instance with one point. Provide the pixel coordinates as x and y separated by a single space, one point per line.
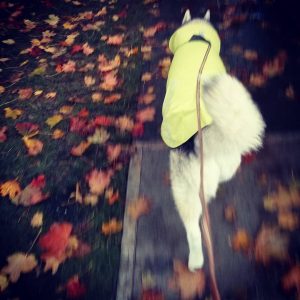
27 128
3 136
138 129
76 49
35 51
39 182
75 289
248 158
55 241
83 113
81 125
103 121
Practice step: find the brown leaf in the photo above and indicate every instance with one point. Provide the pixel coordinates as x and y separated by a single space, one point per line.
189 284
139 207
271 244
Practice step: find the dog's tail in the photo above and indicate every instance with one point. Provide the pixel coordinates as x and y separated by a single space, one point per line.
235 116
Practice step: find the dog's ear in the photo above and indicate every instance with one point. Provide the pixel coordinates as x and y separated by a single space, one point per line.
187 17
207 15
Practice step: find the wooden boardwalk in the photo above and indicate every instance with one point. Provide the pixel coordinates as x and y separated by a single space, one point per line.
151 244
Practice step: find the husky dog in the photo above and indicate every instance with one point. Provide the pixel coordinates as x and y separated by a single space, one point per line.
232 124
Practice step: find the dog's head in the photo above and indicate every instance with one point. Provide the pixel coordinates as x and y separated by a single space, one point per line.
195 27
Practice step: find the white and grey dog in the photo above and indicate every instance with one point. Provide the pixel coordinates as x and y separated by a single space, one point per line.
234 126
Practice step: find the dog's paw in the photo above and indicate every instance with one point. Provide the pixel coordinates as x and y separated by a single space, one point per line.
196 260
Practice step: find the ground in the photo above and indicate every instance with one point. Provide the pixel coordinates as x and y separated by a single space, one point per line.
81 86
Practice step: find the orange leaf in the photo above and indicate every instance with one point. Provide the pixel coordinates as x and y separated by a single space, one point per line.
146 77
97 97
111 227
271 244
230 213
57 134
50 95
250 54
37 219
257 80
106 66
189 284
87 50
110 81
288 220
10 188
111 196
12 113
98 181
146 114
115 39
66 109
80 149
241 241
113 152
69 67
139 207
19 263
112 98
147 98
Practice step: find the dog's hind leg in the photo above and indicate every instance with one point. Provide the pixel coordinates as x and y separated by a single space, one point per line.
185 193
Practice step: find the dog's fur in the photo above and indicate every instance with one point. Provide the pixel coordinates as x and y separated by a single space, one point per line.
237 128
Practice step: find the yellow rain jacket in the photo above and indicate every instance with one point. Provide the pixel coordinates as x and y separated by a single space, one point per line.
179 108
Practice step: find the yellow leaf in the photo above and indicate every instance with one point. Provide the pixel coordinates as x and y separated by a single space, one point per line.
34 146
97 97
37 219
50 95
54 120
12 113
10 188
3 282
38 92
24 63
8 42
52 20
66 109
146 76
68 25
38 71
89 80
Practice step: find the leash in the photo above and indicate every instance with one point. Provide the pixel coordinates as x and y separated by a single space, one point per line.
205 223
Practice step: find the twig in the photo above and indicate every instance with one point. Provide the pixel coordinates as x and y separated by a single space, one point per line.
34 241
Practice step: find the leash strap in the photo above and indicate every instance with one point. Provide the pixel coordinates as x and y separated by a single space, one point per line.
205 224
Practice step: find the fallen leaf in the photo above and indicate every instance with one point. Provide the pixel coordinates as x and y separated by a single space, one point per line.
19 263
230 213
151 294
50 95
100 136
250 55
10 188
290 92
68 67
57 134
37 219
97 97
3 136
111 227
34 146
32 193
241 241
25 93
102 120
292 279
98 181
54 120
38 92
3 282
145 115
271 244
89 80
146 77
139 207
112 98
106 66
2 89
288 220
151 31
27 129
138 129
90 199
81 148
9 42
76 49
12 113
87 49
52 20
113 152
74 288
54 245
116 39
111 196
283 199
109 81
276 66
147 98
124 123
257 80
188 284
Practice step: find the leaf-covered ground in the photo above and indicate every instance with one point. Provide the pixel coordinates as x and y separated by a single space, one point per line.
70 74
